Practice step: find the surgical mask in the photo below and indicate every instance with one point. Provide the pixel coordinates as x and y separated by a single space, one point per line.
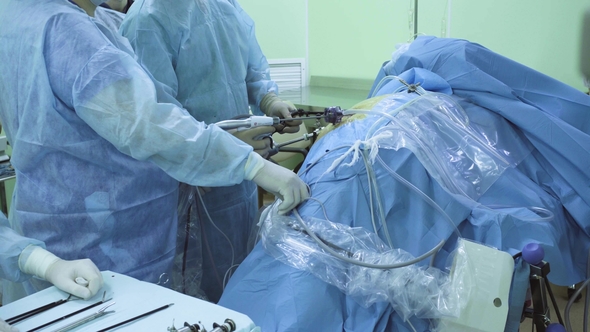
98 2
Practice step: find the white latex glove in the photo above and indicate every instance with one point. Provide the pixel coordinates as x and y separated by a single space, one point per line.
61 273
279 181
259 138
272 105
4 327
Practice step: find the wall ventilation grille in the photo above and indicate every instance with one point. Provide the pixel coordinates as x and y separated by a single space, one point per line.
290 75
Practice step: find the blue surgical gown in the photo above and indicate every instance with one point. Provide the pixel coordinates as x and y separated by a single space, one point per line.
110 18
97 159
206 55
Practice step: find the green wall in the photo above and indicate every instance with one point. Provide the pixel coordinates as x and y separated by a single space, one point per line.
350 39
544 35
280 26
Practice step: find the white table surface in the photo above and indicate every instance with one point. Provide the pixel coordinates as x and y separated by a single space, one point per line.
132 298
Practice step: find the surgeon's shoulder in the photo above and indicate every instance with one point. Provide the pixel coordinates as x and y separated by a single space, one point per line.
162 13
70 20
157 17
72 30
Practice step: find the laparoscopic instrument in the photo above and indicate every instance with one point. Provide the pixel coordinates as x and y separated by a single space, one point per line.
75 313
332 115
30 313
137 317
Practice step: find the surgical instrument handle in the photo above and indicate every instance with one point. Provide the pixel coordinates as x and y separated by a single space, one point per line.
247 123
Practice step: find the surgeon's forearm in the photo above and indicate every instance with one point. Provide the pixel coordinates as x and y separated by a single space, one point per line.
165 134
12 245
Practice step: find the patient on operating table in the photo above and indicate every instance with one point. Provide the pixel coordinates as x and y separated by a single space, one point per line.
476 146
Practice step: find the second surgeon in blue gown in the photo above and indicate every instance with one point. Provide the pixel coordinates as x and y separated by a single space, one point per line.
97 158
207 57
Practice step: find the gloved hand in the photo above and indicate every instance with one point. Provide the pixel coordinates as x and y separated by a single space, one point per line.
279 181
4 327
61 273
272 105
259 138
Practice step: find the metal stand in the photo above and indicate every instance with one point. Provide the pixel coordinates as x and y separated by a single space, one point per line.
539 289
3 196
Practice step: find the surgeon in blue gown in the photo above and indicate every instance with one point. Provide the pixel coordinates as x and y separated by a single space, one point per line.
32 259
543 198
207 57
97 158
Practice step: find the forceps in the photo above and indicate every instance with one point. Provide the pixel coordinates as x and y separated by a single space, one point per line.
87 319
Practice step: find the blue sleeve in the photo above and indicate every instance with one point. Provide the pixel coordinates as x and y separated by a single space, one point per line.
116 97
11 246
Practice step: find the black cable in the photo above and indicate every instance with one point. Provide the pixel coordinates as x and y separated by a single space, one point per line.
185 251
206 243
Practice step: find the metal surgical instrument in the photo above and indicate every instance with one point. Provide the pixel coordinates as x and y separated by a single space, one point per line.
332 115
249 122
73 313
227 326
86 319
35 311
188 328
276 147
136 317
